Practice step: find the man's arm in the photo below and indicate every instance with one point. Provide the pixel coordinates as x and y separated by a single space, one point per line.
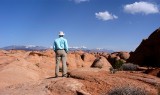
66 46
54 46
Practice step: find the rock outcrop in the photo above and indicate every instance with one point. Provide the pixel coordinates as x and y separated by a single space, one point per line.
74 61
88 59
102 63
148 52
87 81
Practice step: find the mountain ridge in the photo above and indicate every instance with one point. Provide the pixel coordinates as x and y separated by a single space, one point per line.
41 48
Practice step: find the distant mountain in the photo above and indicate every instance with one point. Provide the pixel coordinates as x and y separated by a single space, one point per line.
78 48
39 48
90 50
102 50
28 47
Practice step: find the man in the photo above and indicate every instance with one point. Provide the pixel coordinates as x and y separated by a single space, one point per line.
61 48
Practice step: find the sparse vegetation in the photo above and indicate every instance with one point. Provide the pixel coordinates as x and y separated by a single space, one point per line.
129 67
112 70
128 90
118 64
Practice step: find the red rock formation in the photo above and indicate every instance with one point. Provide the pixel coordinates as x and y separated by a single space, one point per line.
124 55
3 52
49 53
88 59
20 74
154 72
148 52
74 61
102 63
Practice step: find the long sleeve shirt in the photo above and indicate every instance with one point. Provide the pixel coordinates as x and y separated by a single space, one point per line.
60 43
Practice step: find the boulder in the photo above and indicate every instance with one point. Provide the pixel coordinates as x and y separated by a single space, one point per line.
103 63
124 55
74 61
88 59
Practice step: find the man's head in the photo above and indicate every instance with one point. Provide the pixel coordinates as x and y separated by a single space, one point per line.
61 34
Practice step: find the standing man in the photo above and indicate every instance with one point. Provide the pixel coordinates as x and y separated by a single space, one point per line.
61 48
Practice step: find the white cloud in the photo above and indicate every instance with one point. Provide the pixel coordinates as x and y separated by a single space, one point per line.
105 16
141 7
79 1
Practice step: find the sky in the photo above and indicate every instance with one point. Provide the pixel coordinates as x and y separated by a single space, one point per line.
118 25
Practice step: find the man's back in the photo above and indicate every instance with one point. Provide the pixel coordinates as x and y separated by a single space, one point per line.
60 43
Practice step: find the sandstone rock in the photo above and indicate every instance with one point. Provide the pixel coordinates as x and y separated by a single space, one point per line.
148 52
3 52
49 53
6 60
103 63
67 86
74 61
42 61
18 72
71 62
85 81
88 59
154 72
124 55
35 53
98 77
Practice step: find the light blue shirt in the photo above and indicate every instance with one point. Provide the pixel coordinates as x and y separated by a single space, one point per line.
60 43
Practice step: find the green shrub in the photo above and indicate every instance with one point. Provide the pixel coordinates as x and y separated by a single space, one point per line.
117 64
128 90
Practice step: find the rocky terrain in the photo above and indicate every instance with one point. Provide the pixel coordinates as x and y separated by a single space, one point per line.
89 73
32 73
148 53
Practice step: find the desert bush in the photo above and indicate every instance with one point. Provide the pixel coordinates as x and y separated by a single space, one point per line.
129 67
117 64
128 90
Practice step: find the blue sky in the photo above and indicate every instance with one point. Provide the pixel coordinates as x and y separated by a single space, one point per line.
111 24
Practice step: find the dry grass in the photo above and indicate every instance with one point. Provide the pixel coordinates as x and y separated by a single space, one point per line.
128 90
